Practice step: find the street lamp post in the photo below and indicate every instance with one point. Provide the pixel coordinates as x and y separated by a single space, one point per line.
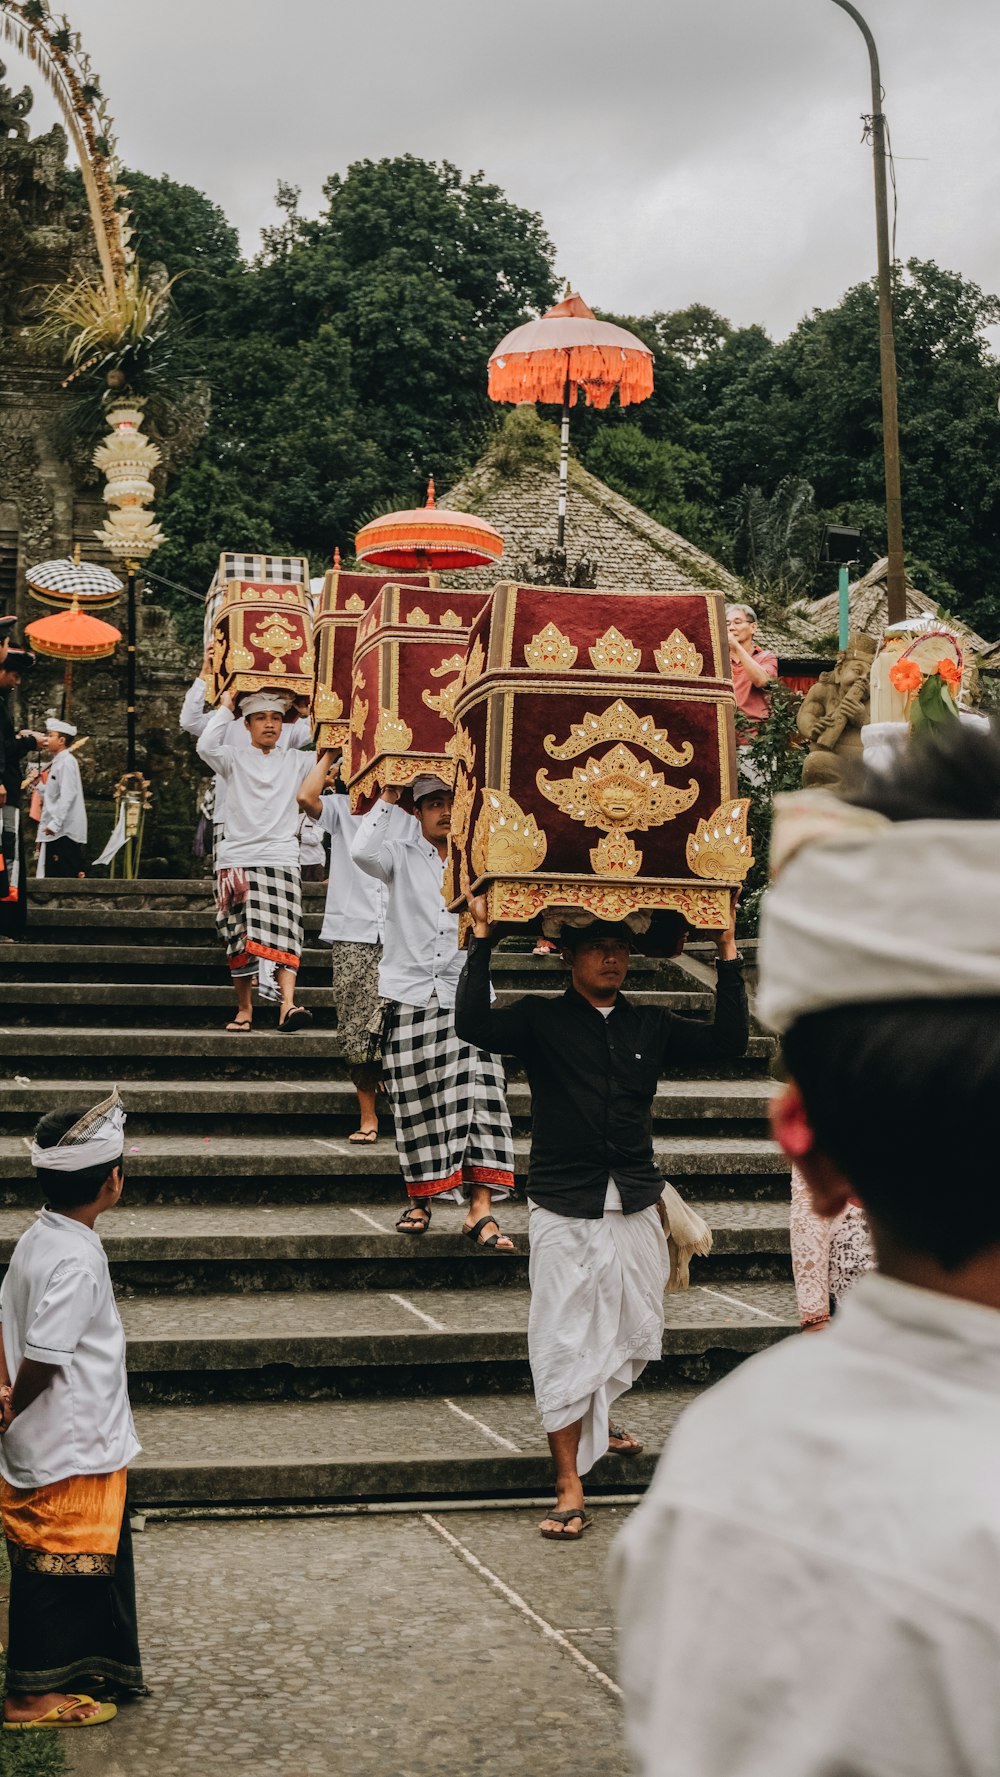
896 583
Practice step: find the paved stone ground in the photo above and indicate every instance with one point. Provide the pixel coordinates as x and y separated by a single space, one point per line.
368 1645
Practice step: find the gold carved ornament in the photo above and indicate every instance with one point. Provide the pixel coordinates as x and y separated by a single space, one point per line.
475 661
720 848
355 603
678 656
359 716
616 855
444 700
452 620
550 651
418 618
392 734
459 746
619 722
327 706
358 680
505 841
619 790
614 653
277 638
461 807
708 909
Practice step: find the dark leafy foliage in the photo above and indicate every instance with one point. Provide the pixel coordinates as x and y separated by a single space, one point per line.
775 757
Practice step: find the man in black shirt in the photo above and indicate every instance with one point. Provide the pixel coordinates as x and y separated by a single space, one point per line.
599 1260
15 663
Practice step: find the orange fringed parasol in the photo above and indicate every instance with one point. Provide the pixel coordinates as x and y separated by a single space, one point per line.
428 537
72 635
565 351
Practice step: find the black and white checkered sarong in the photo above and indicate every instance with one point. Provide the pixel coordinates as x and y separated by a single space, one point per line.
267 922
452 1122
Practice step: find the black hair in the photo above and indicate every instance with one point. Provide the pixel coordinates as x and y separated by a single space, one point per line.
902 1095
68 1190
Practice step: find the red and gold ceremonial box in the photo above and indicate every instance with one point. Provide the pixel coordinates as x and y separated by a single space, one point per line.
262 639
236 564
409 651
343 601
596 758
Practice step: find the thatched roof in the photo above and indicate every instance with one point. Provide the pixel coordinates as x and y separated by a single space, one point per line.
518 494
869 611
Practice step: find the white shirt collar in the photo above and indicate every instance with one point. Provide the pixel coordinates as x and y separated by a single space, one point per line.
68 1227
923 1329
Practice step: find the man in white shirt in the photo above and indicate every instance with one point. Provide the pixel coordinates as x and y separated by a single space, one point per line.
194 719
67 1439
354 928
812 1585
62 829
453 1132
258 884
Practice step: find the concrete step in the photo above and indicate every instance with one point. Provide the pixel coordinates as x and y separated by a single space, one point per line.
282 1452
359 1343
145 891
201 1248
275 1167
324 1106
36 960
91 924
183 1005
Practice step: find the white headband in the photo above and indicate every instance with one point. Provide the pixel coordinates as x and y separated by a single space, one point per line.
97 1139
864 909
263 703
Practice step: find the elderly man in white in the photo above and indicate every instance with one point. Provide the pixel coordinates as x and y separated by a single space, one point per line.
813 1583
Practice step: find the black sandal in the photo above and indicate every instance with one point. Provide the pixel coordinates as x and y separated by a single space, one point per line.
632 1446
407 1224
492 1241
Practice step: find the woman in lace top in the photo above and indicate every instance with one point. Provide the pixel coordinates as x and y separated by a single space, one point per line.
827 1256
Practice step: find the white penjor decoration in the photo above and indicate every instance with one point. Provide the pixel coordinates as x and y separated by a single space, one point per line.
127 459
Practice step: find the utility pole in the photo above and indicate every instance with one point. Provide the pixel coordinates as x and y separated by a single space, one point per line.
896 584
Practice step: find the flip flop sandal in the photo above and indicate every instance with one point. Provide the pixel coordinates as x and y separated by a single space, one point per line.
364 1137
567 1535
492 1241
407 1224
631 1449
296 1019
57 1718
243 1025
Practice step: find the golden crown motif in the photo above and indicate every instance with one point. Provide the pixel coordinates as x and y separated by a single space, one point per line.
720 848
418 617
451 620
550 650
616 855
619 722
392 734
678 655
505 841
619 790
355 603
614 653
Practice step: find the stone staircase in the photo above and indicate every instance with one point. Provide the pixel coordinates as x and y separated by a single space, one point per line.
285 1344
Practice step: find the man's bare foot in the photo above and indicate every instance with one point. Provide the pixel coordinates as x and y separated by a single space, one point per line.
622 1442
31 1708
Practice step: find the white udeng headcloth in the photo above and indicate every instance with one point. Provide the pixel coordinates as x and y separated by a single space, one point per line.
97 1139
861 908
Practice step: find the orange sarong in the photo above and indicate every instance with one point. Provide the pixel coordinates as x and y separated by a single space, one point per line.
70 1526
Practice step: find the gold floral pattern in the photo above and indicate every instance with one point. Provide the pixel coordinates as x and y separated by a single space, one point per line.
677 655
459 746
720 848
619 790
451 620
505 841
619 722
355 603
277 638
614 653
392 735
707 909
359 716
418 617
616 855
443 701
550 651
327 706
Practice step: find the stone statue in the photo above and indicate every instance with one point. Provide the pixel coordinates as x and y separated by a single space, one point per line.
833 713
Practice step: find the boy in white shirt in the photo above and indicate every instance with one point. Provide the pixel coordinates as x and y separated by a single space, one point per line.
67 1438
62 830
258 882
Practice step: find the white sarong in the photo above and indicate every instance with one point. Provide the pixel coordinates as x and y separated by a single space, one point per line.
596 1314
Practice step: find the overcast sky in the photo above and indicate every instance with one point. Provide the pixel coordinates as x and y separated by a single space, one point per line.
678 150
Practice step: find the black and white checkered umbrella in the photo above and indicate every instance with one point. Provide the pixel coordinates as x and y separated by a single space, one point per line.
60 582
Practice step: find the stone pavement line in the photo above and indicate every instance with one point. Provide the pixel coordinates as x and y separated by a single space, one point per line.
494 1436
372 1223
436 1326
523 1608
736 1303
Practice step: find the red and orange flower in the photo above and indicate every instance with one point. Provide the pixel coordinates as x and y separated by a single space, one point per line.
906 676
